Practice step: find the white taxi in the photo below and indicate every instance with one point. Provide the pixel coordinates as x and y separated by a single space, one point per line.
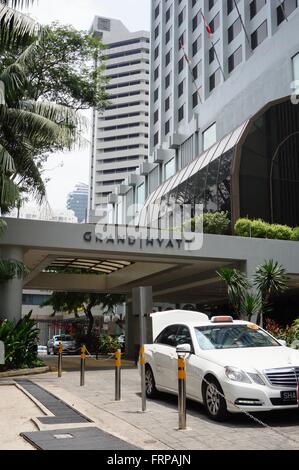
231 365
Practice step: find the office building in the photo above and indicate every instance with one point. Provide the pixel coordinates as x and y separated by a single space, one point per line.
77 201
120 133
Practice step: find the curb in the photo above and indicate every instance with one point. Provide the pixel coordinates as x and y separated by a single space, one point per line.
20 372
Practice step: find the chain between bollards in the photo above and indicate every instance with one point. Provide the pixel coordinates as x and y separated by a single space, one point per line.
60 350
82 365
118 375
142 370
182 391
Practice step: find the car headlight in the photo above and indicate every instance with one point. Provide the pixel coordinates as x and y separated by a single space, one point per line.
237 375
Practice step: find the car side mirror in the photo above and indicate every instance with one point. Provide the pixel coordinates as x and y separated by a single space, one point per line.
282 342
183 349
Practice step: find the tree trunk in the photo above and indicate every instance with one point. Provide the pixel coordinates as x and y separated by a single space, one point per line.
89 315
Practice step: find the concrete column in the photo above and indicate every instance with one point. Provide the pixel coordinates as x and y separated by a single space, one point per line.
132 332
11 291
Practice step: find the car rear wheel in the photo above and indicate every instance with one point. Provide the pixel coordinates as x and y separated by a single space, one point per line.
150 384
214 401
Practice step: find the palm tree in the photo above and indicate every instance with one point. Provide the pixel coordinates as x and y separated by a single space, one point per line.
270 279
237 284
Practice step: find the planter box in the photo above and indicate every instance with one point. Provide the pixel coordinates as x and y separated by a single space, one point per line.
20 372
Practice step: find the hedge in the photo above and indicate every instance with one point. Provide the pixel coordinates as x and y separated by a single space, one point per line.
261 229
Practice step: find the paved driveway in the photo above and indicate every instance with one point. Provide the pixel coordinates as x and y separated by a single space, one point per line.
157 428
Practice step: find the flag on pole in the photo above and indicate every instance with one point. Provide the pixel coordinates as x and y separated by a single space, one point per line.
207 26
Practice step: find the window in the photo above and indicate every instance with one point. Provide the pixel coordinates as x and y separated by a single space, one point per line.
211 4
256 6
259 35
235 59
234 30
156 94
168 36
195 99
167 127
181 64
194 48
231 5
141 195
167 104
285 9
169 169
156 138
209 137
296 67
156 54
181 17
211 55
181 113
156 116
167 80
193 3
196 71
183 336
215 79
156 73
156 32
168 336
194 22
215 23
181 41
157 11
167 58
181 88
168 13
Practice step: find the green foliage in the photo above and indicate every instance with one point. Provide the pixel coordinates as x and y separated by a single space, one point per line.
20 343
237 286
290 334
108 345
270 279
295 234
260 229
217 223
243 228
250 305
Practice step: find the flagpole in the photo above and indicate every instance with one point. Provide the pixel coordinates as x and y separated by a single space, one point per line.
191 71
210 33
242 23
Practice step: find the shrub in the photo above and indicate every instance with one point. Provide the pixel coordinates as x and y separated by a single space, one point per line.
290 334
295 234
20 342
259 228
243 228
214 223
108 345
279 232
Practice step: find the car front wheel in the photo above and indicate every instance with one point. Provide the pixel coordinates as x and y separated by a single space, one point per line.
150 384
214 401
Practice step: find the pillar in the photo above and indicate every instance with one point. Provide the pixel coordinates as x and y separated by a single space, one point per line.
11 291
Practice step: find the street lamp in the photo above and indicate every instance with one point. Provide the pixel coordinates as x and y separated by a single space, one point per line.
272 168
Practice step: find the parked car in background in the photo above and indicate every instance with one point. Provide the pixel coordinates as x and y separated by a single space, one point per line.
68 344
42 350
231 365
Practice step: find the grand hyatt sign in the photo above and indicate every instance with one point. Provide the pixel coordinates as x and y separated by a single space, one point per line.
188 242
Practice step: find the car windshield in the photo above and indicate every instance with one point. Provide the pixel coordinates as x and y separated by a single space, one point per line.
64 338
233 336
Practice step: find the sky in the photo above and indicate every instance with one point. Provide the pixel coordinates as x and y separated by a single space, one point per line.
65 170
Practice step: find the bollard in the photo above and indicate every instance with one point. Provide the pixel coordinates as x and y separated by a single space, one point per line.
142 371
182 392
82 365
60 360
118 375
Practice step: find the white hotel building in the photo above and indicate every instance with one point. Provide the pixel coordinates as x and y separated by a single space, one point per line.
120 133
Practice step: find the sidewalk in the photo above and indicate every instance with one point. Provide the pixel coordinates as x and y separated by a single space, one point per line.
157 428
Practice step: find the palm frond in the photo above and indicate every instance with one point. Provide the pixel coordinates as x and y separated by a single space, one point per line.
16 28
7 166
18 3
9 269
14 81
9 192
3 226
